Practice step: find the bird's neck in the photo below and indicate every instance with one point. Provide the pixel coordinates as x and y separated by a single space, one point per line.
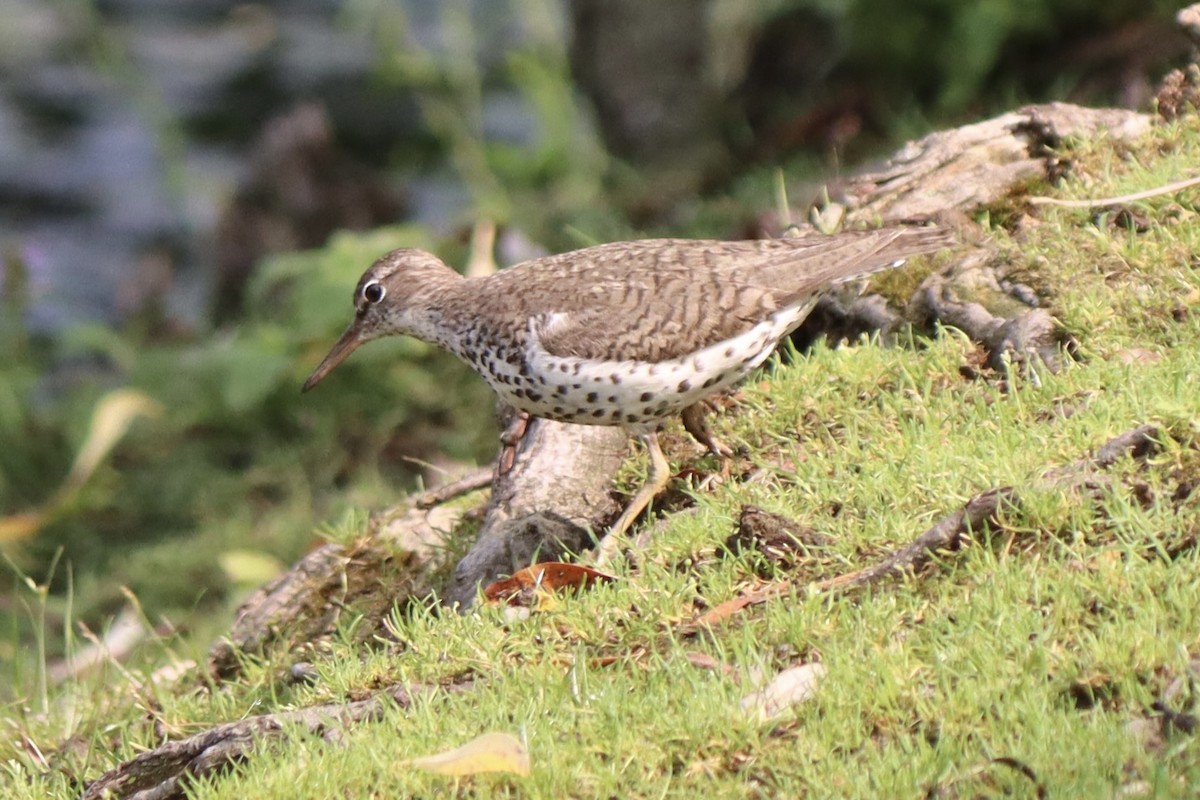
440 309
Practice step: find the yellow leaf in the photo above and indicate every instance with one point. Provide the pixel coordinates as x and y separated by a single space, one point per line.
110 421
491 752
249 567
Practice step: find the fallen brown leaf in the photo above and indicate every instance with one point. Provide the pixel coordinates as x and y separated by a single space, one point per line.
549 576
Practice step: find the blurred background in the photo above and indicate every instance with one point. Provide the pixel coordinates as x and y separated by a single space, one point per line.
189 190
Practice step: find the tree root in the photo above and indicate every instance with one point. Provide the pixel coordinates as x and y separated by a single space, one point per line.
163 772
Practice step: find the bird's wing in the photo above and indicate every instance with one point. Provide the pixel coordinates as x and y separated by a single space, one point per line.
657 300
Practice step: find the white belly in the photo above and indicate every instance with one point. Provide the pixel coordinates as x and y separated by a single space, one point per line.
635 394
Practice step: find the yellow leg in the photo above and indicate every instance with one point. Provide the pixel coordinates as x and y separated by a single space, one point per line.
656 481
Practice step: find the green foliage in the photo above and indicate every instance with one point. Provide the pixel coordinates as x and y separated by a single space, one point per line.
539 181
955 52
237 458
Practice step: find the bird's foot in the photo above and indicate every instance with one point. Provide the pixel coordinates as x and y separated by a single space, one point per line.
694 422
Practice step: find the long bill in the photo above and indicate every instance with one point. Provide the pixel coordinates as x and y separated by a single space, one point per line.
349 341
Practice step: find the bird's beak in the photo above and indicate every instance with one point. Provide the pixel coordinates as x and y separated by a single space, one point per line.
347 344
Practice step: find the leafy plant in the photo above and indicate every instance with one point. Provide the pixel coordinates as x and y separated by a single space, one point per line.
207 447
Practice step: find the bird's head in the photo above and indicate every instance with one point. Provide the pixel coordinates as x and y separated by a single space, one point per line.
383 303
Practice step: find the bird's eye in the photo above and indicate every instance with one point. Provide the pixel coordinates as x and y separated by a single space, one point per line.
373 292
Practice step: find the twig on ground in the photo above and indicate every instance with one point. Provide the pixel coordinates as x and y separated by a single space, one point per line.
945 535
468 483
1101 202
979 514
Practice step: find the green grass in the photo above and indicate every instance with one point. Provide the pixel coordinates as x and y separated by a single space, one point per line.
1041 642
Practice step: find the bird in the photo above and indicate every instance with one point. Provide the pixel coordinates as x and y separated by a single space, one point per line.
624 334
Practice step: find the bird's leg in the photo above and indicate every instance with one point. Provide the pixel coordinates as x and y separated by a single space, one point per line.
695 424
656 481
510 437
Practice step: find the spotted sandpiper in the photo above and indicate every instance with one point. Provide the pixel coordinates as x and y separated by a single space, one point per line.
628 333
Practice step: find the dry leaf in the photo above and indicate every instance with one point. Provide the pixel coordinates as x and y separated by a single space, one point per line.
491 752
753 596
550 576
788 688
1138 355
705 661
